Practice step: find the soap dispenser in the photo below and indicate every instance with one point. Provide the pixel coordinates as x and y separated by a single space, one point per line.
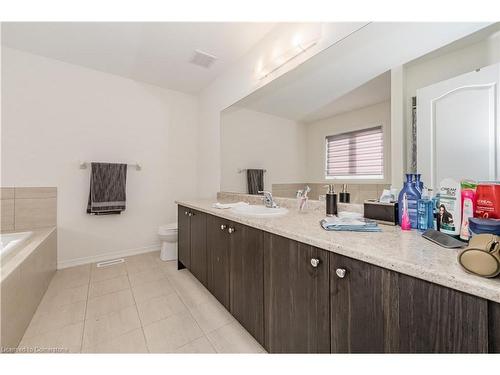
331 201
344 196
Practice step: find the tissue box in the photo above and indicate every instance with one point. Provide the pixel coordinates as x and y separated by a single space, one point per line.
384 213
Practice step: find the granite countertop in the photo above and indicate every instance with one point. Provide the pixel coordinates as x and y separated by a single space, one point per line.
401 251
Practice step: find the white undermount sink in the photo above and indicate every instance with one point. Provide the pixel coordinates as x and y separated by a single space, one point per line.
259 211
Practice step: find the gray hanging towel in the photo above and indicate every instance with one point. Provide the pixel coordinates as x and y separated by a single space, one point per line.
107 189
255 180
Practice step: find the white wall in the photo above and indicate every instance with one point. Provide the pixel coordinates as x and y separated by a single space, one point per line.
362 118
55 114
251 139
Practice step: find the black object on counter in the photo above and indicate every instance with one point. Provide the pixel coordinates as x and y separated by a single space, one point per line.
384 213
344 196
442 239
331 201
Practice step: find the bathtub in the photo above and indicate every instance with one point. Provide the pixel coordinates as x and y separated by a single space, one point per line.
28 262
10 242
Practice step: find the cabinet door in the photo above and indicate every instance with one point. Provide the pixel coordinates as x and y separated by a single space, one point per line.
364 308
435 319
247 279
494 327
296 297
218 258
183 244
198 242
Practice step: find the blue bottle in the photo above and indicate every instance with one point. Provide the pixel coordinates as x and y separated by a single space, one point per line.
413 196
425 212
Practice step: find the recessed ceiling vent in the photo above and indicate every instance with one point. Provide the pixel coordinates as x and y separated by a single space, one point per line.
203 59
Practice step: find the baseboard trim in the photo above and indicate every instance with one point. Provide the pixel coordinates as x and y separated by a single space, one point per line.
106 256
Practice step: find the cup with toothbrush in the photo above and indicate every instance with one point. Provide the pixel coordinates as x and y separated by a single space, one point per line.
302 198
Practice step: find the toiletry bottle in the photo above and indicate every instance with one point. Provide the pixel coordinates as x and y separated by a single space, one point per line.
468 207
435 204
405 218
425 212
412 196
450 207
344 196
331 201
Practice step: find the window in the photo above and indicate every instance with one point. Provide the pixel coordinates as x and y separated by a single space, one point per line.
355 155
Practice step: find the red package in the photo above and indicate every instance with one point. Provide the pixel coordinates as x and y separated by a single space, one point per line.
488 201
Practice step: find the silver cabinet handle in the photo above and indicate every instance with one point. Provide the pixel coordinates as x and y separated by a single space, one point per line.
340 272
223 226
186 213
314 262
190 214
231 230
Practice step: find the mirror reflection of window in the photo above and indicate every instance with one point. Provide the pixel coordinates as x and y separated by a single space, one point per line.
355 155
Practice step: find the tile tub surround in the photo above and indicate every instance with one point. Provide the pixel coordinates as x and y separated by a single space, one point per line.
404 252
26 208
24 280
140 306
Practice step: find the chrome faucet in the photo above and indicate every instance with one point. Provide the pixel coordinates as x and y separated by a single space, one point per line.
268 199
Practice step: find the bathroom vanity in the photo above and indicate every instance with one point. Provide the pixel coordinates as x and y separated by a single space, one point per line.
299 289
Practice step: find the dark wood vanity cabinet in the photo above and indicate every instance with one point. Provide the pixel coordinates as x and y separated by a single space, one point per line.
218 251
363 307
184 237
198 242
375 310
296 298
247 279
436 319
192 242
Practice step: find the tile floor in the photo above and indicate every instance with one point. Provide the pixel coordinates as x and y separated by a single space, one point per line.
140 306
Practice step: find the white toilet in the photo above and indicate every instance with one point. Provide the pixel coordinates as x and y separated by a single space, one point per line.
168 238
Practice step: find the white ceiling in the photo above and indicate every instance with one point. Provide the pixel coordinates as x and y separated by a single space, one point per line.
153 52
372 92
323 85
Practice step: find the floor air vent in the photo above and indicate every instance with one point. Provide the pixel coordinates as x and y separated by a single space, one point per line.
109 263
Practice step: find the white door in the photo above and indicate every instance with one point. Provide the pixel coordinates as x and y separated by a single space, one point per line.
458 128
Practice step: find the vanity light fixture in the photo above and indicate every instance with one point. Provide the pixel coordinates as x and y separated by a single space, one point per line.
301 42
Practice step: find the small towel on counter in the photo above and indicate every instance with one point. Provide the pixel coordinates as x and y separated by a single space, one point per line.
255 181
107 189
223 206
349 224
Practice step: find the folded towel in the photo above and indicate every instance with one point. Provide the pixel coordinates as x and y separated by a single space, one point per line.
349 224
107 189
223 206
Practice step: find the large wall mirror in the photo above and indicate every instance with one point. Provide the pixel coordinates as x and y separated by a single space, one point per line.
312 127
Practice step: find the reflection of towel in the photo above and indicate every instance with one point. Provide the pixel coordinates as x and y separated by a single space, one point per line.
255 180
228 205
107 189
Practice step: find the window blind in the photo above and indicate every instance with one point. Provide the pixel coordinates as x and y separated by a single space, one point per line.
357 154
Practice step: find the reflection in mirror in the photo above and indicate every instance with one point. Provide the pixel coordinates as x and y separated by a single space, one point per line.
307 128
343 142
